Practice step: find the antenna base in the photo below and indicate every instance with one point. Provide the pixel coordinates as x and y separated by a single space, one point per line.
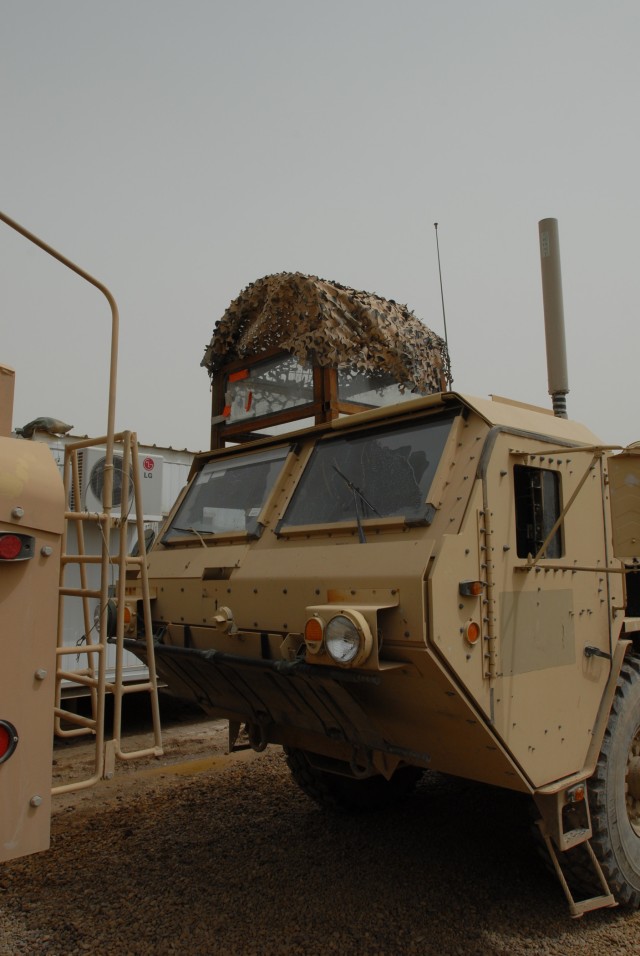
559 404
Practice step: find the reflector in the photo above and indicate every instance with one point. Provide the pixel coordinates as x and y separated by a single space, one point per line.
313 634
10 546
472 632
313 629
8 739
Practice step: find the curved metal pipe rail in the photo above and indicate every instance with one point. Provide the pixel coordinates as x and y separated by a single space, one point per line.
98 684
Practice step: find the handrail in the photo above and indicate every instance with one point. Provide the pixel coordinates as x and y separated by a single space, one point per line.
98 685
115 320
107 496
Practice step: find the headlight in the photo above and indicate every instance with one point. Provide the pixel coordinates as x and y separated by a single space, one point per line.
342 639
347 638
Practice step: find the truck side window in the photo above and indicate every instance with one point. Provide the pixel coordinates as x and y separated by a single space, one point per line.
537 496
633 589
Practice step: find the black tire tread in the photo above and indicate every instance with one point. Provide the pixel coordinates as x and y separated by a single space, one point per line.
576 863
601 840
350 795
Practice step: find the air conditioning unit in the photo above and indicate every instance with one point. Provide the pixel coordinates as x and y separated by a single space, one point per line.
91 467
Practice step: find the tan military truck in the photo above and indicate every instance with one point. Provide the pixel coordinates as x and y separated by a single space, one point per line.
447 583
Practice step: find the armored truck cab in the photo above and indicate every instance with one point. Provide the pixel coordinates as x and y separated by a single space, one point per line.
364 591
432 585
449 583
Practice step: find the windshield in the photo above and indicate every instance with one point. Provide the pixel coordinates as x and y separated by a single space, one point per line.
228 495
382 473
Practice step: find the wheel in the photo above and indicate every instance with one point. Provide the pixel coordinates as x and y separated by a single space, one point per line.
614 791
350 794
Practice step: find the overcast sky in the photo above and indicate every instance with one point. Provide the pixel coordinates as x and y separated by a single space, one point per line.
180 150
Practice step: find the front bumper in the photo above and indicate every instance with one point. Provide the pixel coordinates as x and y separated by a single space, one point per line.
272 694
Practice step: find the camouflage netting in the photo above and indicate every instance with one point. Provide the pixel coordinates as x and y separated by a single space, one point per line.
328 324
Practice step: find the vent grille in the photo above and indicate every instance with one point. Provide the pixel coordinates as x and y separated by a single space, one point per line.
96 482
72 497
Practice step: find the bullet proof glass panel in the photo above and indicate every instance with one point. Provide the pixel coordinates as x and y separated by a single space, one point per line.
381 473
371 389
228 495
267 388
538 507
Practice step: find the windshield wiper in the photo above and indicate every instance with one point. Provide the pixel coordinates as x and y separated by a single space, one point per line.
166 539
358 496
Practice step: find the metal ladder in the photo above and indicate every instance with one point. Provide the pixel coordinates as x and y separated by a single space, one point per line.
578 908
93 678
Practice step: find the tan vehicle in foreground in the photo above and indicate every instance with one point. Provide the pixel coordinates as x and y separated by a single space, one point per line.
445 584
31 528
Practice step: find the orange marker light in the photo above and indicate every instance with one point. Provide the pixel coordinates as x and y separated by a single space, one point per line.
313 630
471 632
577 794
314 635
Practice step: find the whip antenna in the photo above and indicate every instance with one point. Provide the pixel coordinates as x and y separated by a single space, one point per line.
444 317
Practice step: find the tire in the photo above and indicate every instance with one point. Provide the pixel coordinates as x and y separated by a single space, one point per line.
350 794
614 791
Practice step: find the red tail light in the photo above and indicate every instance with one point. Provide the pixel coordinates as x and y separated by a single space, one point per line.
8 740
16 547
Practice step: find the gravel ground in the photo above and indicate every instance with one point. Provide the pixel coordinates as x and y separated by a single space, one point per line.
203 853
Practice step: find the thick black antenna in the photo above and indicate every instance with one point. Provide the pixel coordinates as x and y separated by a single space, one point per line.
444 317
